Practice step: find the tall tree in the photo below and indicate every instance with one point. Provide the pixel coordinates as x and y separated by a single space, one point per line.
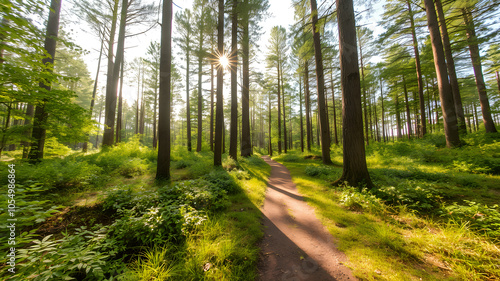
41 115
355 171
320 79
233 66
163 164
450 64
219 114
445 93
472 40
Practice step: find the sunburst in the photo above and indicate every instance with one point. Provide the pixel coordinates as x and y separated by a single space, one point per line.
222 60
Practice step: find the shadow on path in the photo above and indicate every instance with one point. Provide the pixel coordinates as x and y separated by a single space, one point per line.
296 246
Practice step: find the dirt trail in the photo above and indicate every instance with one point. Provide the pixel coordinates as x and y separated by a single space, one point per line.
296 246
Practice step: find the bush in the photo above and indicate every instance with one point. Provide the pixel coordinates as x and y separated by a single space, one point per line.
480 217
198 194
421 197
133 167
364 200
221 179
316 171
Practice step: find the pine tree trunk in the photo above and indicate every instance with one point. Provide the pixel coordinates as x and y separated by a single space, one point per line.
407 103
163 163
40 118
279 109
383 110
354 171
420 83
335 135
111 89
324 127
308 107
233 142
301 117
200 97
450 64
246 144
489 125
219 118
188 104
365 114
445 92
120 108
212 107
285 136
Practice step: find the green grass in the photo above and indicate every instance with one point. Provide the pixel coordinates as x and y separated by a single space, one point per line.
403 238
223 246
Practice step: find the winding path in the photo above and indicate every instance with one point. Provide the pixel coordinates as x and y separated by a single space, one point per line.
296 246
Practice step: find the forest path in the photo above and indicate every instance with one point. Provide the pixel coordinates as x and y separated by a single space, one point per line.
296 246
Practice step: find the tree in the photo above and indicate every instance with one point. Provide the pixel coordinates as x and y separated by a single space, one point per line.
450 64
445 94
355 171
233 66
163 164
219 114
41 115
478 72
320 79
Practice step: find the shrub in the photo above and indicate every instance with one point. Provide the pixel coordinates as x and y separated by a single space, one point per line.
117 199
133 167
480 217
221 179
418 197
364 200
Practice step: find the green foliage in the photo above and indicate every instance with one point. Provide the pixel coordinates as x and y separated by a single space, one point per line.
133 167
416 196
353 199
221 179
480 217
154 263
77 256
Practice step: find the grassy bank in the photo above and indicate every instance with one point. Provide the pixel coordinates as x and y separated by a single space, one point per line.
432 215
103 217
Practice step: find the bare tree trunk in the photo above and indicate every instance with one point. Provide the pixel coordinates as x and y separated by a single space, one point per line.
445 93
110 111
325 134
308 106
246 144
355 171
200 97
383 112
489 125
301 118
163 164
335 135
365 114
120 108
233 66
420 83
30 111
219 118
92 102
211 107
284 113
407 103
39 131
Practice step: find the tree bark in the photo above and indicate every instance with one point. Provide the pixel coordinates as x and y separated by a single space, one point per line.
211 107
40 117
285 136
246 144
163 164
301 118
418 68
324 127
450 64
489 125
110 111
308 106
200 97
445 93
233 65
335 135
407 103
219 118
355 171
120 107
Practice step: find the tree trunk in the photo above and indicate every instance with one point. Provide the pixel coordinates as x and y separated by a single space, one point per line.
308 106
211 107
335 135
219 118
120 108
445 93
163 164
270 147
155 135
246 144
489 125
418 68
94 91
200 97
301 118
355 171
40 120
111 87
325 134
407 103
383 112
365 114
30 111
188 104
450 64
285 136
233 66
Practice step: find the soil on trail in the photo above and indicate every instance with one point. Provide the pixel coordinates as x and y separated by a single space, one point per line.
296 246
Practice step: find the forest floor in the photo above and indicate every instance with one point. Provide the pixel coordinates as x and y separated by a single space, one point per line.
296 246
